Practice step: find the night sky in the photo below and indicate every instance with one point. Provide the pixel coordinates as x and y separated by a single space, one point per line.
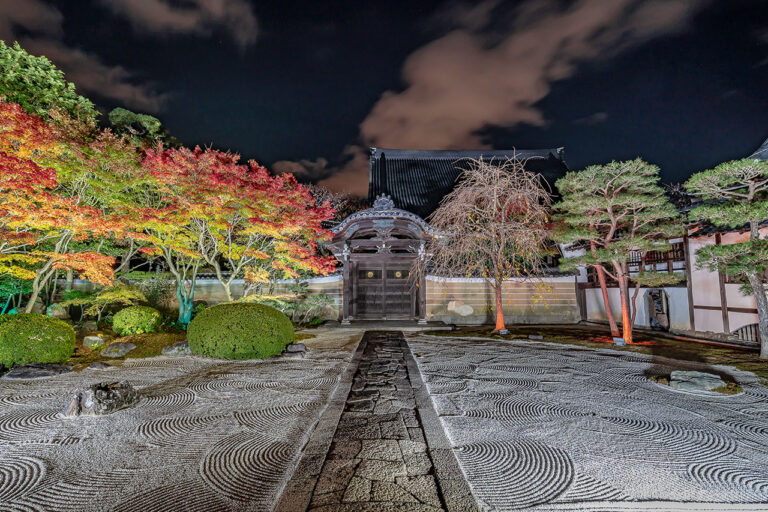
298 85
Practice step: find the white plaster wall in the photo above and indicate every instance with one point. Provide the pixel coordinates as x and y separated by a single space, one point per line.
736 299
706 290
736 320
705 284
679 319
470 301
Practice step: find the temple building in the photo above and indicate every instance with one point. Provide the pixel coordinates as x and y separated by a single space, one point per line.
379 246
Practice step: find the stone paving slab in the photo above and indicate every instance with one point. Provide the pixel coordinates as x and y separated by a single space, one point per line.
540 426
208 435
379 458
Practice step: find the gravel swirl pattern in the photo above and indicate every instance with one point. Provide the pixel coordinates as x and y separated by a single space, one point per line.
555 427
207 435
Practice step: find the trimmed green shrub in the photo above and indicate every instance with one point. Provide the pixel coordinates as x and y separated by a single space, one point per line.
136 320
34 338
239 331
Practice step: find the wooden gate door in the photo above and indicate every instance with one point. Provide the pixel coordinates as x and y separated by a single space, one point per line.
383 291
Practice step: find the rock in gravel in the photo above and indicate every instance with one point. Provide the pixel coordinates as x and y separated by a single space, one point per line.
89 327
93 341
535 337
102 398
98 365
37 371
178 349
117 349
296 347
690 380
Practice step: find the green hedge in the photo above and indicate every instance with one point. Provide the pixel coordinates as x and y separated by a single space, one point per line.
136 320
33 338
239 331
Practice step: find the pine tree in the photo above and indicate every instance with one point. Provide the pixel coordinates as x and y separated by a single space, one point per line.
736 198
617 209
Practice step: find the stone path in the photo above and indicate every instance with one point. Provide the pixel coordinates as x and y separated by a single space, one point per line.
208 435
379 457
545 426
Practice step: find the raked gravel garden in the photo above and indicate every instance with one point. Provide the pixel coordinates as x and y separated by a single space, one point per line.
448 422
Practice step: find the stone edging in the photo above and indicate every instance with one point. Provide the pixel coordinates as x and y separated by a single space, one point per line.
297 492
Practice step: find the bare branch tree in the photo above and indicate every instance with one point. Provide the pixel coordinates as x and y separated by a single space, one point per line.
493 225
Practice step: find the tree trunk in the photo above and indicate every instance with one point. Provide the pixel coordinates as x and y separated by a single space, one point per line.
7 303
226 283
499 309
626 321
36 288
70 279
606 301
758 288
634 303
186 298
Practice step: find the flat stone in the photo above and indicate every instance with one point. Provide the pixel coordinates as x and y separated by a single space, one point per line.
89 326
408 447
416 434
690 380
381 470
358 432
336 475
102 398
393 430
535 337
37 371
359 489
119 349
360 406
98 365
380 449
409 417
422 487
180 348
391 492
345 450
418 464
93 341
299 355
330 498
296 347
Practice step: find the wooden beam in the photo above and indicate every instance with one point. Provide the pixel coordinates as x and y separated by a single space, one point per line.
689 281
731 310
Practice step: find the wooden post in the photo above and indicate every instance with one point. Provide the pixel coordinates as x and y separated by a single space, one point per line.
723 297
689 281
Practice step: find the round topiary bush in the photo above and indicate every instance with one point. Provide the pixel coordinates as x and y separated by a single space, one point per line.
136 320
34 338
239 331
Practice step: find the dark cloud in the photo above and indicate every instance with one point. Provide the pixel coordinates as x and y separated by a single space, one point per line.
592 120
302 169
91 75
43 23
33 15
165 17
479 75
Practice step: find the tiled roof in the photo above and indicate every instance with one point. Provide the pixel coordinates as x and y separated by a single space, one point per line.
418 180
762 152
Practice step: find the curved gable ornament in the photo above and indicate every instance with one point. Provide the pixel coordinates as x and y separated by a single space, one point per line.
383 207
